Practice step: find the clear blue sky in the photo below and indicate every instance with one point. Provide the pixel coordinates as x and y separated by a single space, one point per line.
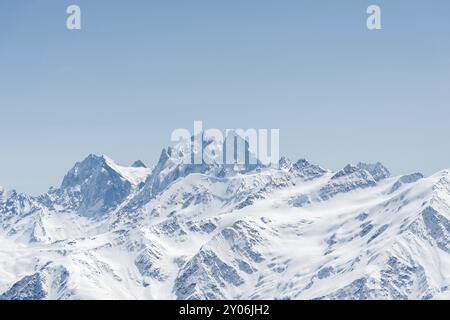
137 70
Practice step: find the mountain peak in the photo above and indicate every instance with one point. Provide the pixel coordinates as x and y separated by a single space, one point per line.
97 184
406 179
377 170
285 163
351 170
138 164
84 169
302 163
302 169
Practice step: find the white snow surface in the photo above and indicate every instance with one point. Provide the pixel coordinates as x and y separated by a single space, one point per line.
134 175
268 234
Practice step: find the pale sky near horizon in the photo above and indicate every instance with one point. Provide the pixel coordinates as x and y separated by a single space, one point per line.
137 70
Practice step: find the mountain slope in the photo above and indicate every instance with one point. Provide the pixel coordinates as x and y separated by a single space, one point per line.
298 232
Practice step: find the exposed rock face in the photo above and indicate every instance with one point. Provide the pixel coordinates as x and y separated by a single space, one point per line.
27 288
215 231
407 179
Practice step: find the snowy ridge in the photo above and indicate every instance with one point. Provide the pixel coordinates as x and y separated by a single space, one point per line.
202 231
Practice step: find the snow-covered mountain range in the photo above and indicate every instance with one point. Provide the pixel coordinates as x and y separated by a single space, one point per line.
209 231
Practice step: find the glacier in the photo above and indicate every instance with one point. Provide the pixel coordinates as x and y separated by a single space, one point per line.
208 231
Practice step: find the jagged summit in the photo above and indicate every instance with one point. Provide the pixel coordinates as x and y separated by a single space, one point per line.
377 170
95 165
208 151
285 163
206 156
306 170
83 170
98 185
